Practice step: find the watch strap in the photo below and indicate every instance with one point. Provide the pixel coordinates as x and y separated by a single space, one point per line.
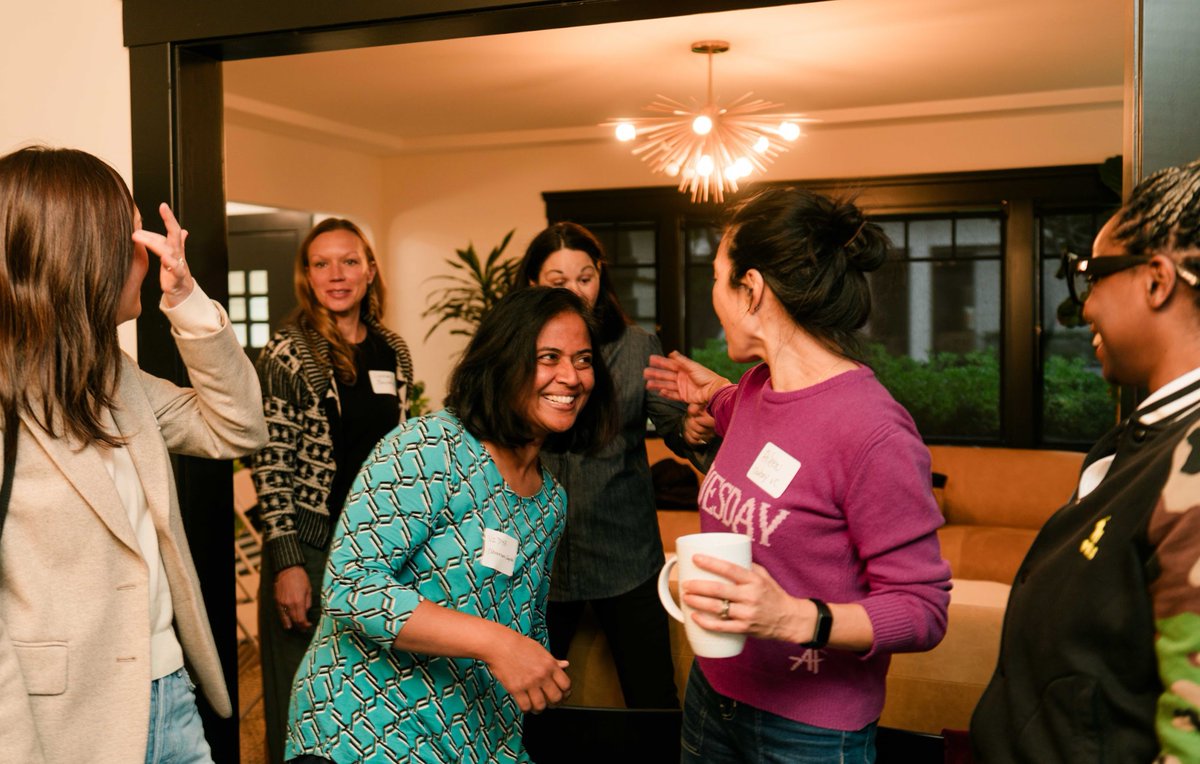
823 627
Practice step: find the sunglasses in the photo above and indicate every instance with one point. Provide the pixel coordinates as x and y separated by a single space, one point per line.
1083 272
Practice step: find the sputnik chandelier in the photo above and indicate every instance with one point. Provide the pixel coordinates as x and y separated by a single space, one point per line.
707 146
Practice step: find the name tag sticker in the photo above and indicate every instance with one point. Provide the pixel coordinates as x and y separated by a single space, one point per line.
499 551
773 470
383 382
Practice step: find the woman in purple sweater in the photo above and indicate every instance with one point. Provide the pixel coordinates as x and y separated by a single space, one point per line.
826 474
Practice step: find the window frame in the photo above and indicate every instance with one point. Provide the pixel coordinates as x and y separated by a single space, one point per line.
1018 194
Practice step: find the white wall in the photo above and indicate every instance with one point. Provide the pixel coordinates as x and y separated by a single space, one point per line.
278 171
64 77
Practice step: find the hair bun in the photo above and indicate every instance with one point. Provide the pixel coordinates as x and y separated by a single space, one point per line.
865 245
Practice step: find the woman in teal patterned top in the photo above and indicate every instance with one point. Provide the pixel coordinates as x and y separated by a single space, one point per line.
432 643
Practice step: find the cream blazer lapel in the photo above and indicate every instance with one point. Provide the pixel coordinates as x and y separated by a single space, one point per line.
137 425
84 470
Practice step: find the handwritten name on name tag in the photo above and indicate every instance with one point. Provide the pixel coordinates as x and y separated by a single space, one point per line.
773 470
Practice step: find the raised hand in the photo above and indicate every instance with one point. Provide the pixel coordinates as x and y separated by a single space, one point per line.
679 378
173 275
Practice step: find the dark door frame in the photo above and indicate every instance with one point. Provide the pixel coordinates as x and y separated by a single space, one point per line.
175 56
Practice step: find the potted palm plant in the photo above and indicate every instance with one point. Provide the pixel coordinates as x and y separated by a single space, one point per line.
476 287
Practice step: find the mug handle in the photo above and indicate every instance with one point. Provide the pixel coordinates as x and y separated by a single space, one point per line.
664 590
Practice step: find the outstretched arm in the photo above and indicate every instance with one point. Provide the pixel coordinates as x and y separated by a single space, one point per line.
679 378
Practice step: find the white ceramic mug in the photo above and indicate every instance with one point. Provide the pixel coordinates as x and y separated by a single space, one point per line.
731 547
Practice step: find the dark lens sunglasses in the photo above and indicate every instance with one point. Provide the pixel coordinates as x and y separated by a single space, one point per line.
1083 272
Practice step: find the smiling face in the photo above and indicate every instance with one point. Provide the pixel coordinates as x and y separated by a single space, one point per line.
130 306
571 269
1112 312
339 271
563 376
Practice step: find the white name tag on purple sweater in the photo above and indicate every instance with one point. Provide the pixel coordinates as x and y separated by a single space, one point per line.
773 470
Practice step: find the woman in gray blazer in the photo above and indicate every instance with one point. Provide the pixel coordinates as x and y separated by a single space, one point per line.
100 605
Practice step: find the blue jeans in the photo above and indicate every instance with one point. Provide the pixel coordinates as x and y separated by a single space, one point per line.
717 730
176 732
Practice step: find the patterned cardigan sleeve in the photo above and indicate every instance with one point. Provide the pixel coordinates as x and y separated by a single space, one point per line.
1174 533
275 464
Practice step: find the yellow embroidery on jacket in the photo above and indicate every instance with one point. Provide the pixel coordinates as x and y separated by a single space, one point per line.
1090 545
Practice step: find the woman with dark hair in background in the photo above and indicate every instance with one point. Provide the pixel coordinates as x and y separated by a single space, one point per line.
334 382
611 551
433 640
100 605
826 474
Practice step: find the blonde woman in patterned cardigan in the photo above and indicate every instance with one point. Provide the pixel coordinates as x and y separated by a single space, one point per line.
334 382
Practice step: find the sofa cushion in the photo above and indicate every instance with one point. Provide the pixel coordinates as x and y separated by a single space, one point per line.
1009 487
936 690
985 552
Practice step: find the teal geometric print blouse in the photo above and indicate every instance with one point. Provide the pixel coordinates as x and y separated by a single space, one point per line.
413 529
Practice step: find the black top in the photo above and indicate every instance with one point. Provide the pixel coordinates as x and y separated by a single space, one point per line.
369 410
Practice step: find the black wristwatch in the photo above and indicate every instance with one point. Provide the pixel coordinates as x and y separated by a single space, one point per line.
824 625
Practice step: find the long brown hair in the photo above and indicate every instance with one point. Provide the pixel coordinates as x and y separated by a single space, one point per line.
311 314
66 221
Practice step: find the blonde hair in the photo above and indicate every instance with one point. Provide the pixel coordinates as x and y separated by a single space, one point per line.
66 221
311 314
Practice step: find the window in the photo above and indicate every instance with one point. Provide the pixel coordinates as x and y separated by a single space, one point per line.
249 307
934 334
965 329
1077 404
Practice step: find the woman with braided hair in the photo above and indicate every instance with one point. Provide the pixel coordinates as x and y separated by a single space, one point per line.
1100 654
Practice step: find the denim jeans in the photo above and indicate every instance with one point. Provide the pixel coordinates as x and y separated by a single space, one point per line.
718 730
176 732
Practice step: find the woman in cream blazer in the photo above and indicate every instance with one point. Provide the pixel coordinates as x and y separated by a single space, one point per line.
98 592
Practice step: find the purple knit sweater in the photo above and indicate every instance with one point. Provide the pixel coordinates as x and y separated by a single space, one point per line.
832 484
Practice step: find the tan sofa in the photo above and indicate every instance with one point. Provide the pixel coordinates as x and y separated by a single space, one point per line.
994 501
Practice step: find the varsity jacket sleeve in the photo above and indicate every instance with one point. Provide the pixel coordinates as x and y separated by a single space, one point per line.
1174 535
275 464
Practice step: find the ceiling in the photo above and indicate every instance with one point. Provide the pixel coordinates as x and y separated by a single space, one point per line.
840 61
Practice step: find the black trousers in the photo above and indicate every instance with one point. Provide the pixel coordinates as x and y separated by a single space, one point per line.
635 625
281 650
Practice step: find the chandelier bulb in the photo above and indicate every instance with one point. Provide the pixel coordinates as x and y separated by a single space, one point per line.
686 142
789 131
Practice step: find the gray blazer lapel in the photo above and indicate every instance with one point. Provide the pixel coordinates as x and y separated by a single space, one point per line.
85 471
